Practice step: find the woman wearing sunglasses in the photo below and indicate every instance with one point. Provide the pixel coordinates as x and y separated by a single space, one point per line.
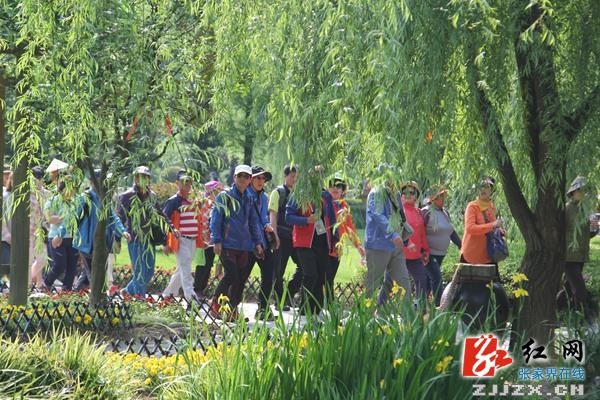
417 250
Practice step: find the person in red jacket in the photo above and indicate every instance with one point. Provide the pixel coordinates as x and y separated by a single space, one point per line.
313 238
417 250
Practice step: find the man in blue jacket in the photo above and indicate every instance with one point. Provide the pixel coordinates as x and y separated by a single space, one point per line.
235 231
385 235
266 263
88 212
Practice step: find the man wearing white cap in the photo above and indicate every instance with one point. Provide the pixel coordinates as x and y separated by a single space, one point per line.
234 230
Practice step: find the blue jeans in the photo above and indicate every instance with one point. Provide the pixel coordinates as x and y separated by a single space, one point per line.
64 260
416 269
142 259
434 273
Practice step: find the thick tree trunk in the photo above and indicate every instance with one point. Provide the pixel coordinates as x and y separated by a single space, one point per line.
2 127
100 253
99 256
19 256
544 269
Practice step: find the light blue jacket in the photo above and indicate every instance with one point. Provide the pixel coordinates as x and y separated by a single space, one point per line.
87 215
378 233
262 205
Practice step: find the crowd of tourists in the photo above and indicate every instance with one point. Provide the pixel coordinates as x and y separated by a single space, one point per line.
407 236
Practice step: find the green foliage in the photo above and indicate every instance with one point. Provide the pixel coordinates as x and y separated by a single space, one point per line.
64 367
360 357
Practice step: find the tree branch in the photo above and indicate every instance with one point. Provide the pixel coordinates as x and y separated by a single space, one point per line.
579 118
516 200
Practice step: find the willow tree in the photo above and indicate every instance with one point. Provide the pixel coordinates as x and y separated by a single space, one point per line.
444 90
120 78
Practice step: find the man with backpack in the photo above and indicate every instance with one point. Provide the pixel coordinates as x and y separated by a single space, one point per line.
235 232
277 203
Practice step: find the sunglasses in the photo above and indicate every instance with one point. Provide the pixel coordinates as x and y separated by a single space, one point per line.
340 186
409 192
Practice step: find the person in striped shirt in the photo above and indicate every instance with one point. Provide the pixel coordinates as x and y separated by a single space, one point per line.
189 223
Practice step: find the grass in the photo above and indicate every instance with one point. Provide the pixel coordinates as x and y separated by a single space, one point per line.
60 366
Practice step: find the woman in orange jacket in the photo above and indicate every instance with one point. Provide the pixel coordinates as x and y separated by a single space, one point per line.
480 219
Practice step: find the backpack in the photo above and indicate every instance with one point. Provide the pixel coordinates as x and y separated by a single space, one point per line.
226 216
497 248
283 229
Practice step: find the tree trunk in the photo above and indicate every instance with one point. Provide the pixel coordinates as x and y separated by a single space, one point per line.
19 255
100 253
250 133
2 128
99 256
248 147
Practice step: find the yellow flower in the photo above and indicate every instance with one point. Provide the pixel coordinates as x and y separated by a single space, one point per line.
78 319
520 292
369 303
340 330
303 341
441 342
222 299
114 321
148 382
382 383
443 365
398 362
87 319
225 308
398 289
519 277
385 329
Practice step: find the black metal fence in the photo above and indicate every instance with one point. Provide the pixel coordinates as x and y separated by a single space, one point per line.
117 314
35 317
344 292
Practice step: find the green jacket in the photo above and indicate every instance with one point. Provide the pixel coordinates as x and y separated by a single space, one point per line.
578 233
